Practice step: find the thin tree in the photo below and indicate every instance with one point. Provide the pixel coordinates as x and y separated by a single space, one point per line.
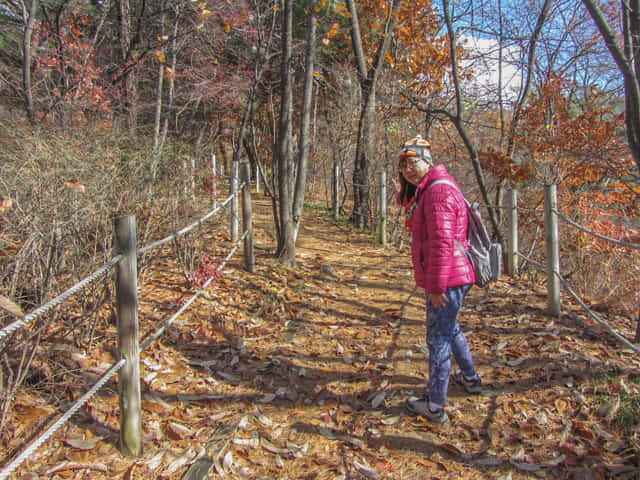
291 175
367 79
305 122
283 153
627 59
457 119
29 19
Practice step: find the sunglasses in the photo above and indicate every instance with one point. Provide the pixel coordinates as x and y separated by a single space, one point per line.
411 160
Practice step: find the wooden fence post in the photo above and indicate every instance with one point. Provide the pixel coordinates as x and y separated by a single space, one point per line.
336 191
128 348
214 192
234 202
553 253
383 208
512 245
193 179
247 218
257 175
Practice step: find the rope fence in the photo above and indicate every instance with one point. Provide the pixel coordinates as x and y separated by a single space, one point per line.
27 452
512 253
212 278
601 237
125 261
126 299
30 317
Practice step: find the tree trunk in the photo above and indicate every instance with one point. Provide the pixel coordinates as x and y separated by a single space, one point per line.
626 58
367 80
284 154
29 18
361 169
303 150
457 120
131 89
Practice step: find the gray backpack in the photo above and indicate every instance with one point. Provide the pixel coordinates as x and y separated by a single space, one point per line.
485 256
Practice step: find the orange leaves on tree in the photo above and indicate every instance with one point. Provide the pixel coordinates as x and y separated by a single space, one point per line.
502 166
578 142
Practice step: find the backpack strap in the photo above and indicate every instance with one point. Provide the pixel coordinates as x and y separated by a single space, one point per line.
442 180
455 187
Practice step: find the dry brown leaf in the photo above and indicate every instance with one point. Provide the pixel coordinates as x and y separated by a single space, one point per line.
451 449
75 185
562 406
366 470
83 444
5 204
11 307
76 466
610 409
178 431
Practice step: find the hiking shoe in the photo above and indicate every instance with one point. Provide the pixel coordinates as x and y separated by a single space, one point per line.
414 408
470 386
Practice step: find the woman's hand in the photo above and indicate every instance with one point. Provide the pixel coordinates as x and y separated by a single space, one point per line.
438 300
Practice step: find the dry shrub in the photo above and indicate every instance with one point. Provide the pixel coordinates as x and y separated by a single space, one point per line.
65 189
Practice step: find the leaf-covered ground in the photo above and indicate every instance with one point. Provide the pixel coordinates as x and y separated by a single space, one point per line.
303 374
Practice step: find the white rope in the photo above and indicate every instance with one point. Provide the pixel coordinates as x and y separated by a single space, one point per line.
185 229
59 299
602 237
595 316
537 264
162 329
58 423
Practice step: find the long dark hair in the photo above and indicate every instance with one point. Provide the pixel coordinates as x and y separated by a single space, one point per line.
407 191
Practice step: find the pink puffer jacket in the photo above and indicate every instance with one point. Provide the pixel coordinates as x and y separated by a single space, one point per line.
439 219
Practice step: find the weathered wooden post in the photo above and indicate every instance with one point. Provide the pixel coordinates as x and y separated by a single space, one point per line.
553 253
336 191
214 182
234 202
193 179
383 208
512 244
257 175
247 218
128 348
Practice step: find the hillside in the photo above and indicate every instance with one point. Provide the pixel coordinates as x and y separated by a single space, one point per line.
303 374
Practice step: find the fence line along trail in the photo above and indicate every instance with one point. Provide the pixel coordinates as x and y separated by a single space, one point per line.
303 373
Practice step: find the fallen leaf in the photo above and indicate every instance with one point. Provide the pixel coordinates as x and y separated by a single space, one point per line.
378 400
75 185
270 447
6 203
562 405
82 444
227 462
390 420
366 470
610 409
10 307
178 431
76 466
179 462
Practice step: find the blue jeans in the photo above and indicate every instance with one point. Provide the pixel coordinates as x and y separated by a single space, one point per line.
444 336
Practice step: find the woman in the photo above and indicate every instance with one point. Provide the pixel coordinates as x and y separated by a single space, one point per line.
442 269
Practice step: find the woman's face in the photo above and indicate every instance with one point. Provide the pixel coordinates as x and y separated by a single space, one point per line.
413 169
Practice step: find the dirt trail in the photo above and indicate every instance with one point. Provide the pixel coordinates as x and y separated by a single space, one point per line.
303 373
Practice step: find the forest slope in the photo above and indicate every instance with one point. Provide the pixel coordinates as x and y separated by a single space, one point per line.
303 373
